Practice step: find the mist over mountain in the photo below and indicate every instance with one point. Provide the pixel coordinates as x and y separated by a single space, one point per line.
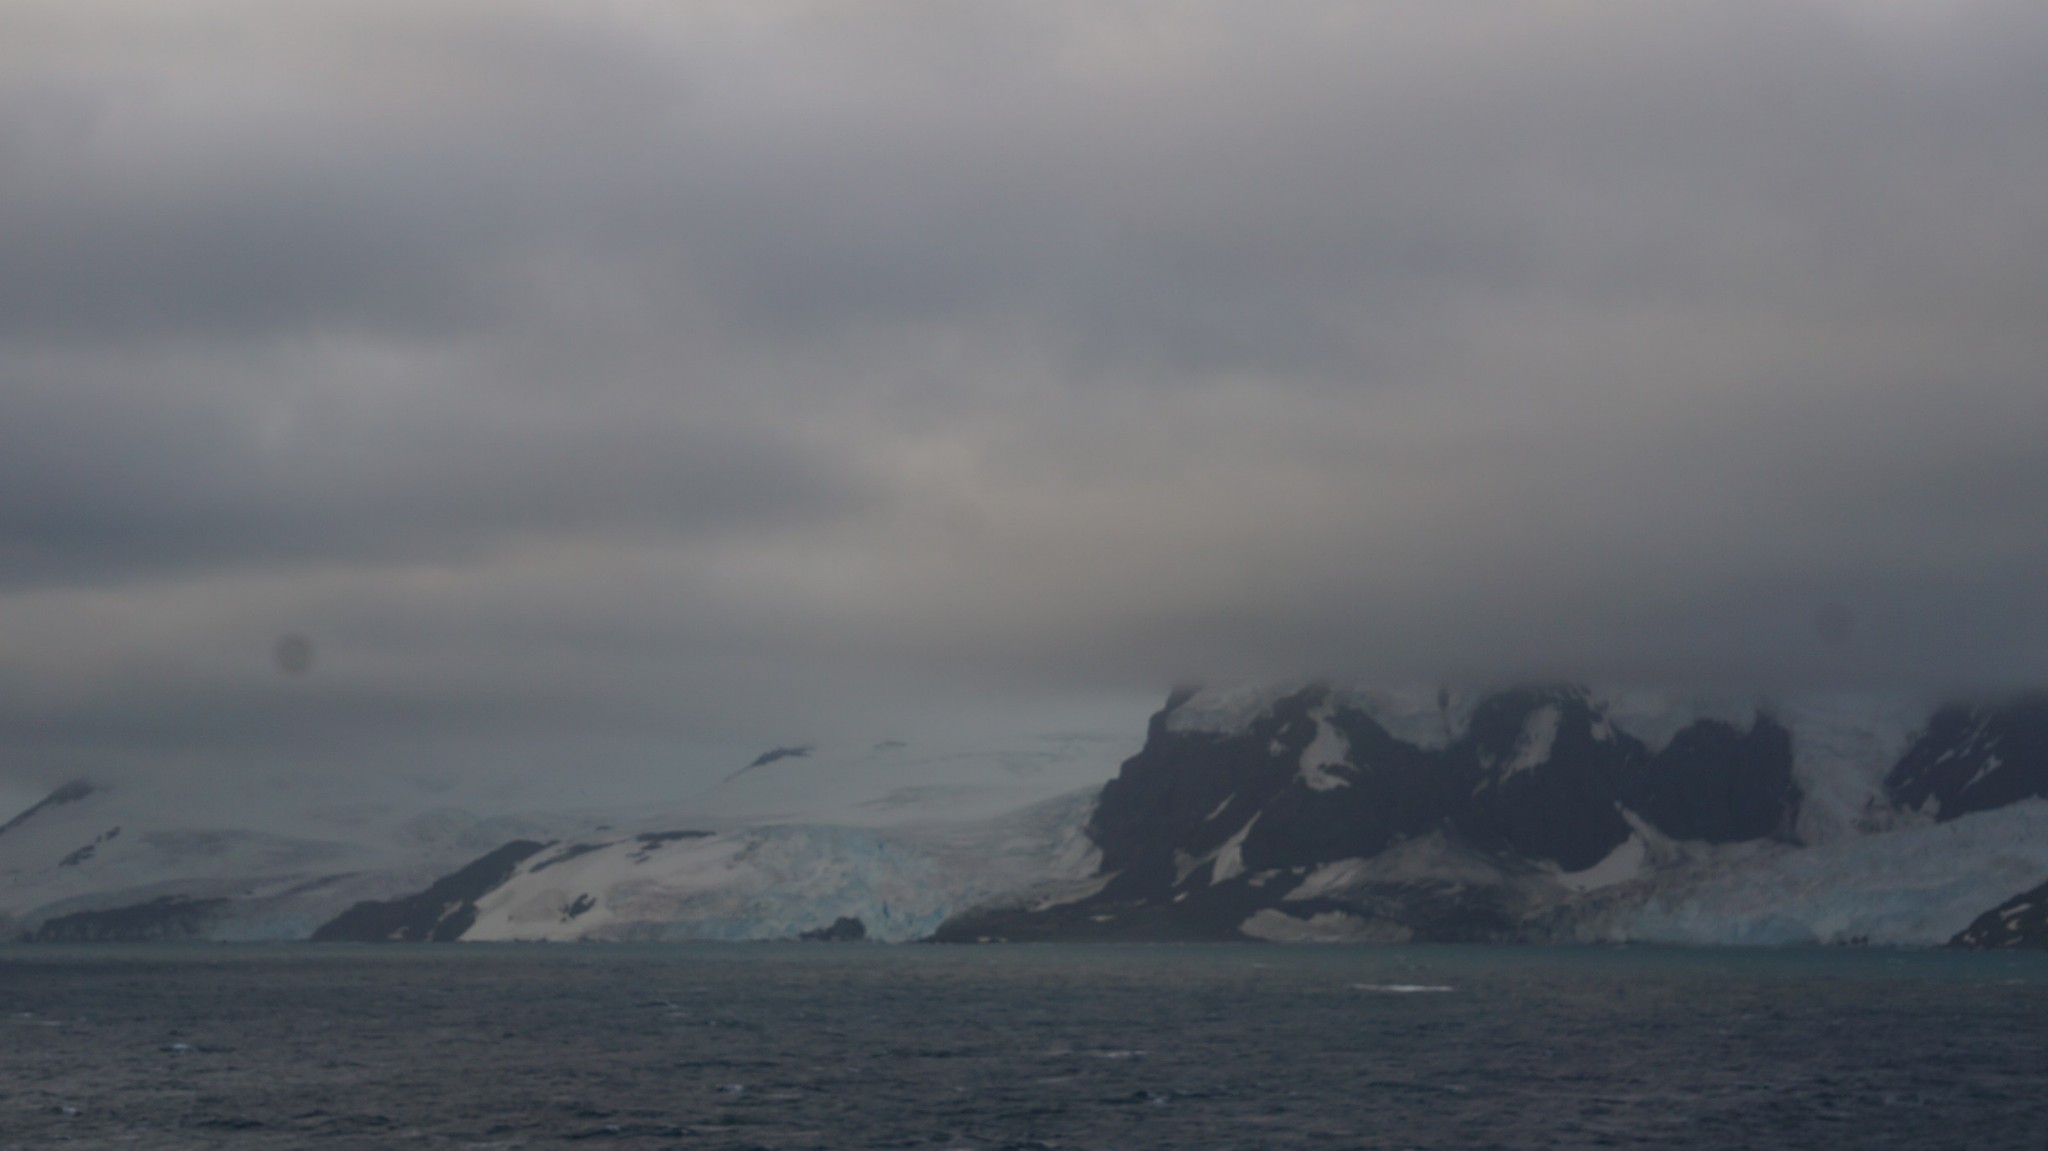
487 474
577 397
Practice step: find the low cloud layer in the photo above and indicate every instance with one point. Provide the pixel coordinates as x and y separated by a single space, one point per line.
627 385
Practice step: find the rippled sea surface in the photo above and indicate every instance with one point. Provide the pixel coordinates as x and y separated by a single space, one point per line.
843 1046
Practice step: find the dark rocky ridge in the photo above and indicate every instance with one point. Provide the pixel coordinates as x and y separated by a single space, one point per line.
1975 758
1202 831
845 929
1189 791
167 917
439 914
2021 921
69 793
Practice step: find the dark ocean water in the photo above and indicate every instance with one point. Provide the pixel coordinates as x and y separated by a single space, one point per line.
845 1046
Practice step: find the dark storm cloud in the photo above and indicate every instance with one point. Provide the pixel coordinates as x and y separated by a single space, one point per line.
654 374
102 482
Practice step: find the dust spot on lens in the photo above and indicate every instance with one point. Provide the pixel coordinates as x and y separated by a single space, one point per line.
293 655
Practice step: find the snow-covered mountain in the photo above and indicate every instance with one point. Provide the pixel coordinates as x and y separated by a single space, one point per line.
775 881
1304 812
895 835
132 860
1561 813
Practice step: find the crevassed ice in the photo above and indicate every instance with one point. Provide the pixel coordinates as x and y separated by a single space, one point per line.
773 882
1911 886
1842 747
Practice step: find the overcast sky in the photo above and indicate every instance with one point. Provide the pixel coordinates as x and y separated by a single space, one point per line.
610 387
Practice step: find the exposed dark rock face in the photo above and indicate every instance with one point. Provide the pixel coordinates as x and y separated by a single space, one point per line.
1437 910
1549 777
1202 830
1975 759
165 918
2021 921
649 840
69 793
653 841
845 929
85 853
439 914
566 854
1717 783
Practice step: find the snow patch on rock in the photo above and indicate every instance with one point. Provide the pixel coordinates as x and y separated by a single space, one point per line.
1230 857
1426 859
1329 749
1539 736
1624 863
1331 877
1276 926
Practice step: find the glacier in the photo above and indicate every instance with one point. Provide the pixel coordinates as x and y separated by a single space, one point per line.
779 881
918 842
899 837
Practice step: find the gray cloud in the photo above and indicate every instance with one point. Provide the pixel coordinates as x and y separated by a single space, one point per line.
638 380
167 467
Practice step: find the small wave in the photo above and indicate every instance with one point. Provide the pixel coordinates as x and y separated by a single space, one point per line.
1402 988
